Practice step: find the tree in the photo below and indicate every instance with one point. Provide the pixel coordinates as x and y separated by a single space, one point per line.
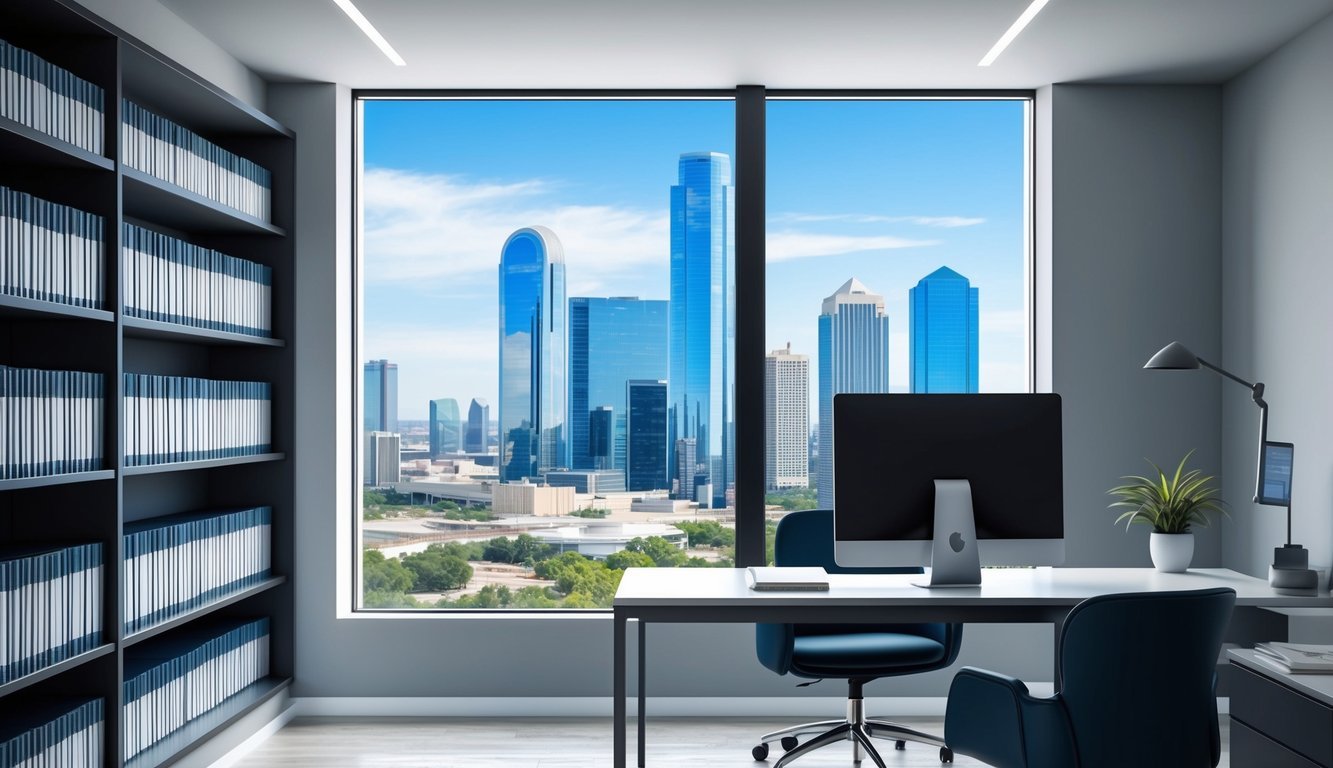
708 533
379 574
594 512
525 549
619 561
444 506
372 498
379 599
664 553
437 570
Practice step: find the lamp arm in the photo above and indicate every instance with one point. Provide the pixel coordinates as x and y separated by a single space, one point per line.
1233 377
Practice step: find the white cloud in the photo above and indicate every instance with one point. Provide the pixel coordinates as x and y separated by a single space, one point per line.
948 222
791 244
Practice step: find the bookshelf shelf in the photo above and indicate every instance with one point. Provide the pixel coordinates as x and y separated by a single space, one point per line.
139 636
20 308
150 199
14 686
138 327
65 479
200 729
33 147
185 466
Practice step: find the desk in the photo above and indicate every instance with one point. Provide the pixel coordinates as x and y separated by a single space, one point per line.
1019 595
1279 719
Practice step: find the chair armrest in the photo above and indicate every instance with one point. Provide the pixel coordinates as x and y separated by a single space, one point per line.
993 718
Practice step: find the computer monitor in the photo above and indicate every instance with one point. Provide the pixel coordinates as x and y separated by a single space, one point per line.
889 449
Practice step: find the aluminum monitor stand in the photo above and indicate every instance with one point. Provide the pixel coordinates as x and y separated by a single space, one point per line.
954 561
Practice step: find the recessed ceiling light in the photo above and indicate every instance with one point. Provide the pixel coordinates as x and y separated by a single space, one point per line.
1012 32
355 15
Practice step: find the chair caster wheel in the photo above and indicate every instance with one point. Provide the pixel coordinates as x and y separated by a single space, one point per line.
900 744
946 755
760 753
789 743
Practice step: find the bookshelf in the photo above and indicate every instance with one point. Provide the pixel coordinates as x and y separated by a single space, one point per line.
98 505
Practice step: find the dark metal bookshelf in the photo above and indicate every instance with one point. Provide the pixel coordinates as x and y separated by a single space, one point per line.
95 506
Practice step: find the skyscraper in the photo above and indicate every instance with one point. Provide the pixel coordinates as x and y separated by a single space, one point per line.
853 357
601 435
533 337
478 426
382 462
943 332
786 419
702 336
380 389
446 428
611 341
646 447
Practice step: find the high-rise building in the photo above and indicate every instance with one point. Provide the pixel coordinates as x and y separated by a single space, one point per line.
943 333
380 389
786 419
611 341
601 435
702 338
382 462
446 427
646 446
533 338
478 426
689 472
853 357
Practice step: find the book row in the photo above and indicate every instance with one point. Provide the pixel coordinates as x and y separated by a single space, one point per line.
174 679
174 281
172 418
49 251
50 422
178 563
51 734
46 98
162 149
50 606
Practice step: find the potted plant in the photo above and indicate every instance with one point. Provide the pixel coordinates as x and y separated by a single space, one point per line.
1170 505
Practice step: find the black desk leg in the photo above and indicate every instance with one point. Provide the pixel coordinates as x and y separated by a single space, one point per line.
618 692
643 695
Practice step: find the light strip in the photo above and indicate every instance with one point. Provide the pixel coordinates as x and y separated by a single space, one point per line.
1010 34
355 15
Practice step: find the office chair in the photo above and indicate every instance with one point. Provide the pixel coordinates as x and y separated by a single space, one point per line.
858 653
1139 680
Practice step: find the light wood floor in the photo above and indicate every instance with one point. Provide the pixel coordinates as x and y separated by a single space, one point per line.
552 743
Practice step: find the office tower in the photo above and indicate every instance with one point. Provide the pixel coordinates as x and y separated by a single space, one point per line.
702 341
446 428
382 460
646 446
786 419
478 426
380 390
611 341
601 435
853 357
688 471
533 337
943 332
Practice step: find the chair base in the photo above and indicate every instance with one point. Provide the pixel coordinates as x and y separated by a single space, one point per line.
856 728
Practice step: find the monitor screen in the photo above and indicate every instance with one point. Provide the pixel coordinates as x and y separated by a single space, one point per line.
1275 474
890 448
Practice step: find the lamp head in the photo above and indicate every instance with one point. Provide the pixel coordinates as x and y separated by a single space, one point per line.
1173 357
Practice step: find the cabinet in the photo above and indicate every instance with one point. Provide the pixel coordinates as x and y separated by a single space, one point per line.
98 505
1277 719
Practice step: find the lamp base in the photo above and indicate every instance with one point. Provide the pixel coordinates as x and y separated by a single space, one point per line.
1293 581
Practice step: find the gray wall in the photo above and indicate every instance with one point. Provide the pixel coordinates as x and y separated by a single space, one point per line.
1278 227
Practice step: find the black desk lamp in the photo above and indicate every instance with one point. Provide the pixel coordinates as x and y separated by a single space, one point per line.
1290 572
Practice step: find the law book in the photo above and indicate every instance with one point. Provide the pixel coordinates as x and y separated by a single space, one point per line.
777 578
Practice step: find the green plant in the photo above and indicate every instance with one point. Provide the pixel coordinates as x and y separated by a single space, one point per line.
1168 504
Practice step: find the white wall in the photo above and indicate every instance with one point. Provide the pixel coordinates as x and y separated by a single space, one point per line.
1277 272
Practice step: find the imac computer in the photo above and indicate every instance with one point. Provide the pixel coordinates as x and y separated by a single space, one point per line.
947 481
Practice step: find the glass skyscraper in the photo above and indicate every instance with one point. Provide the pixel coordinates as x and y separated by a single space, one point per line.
380 390
702 336
478 425
853 357
646 449
611 341
786 420
943 333
533 338
446 427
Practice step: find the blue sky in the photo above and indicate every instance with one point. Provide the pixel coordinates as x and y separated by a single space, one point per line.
883 191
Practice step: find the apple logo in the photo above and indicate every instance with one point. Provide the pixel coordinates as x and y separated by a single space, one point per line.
956 542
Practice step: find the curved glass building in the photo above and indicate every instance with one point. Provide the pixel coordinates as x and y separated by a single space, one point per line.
533 343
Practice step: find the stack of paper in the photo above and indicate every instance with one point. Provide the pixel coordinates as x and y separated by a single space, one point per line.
1296 657
780 578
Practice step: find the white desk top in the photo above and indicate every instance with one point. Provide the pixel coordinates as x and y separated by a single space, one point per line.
1319 687
720 587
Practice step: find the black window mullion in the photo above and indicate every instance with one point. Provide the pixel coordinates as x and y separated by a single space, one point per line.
750 324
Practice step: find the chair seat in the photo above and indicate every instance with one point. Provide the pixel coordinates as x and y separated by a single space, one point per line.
862 653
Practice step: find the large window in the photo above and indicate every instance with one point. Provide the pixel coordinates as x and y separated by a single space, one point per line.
547 329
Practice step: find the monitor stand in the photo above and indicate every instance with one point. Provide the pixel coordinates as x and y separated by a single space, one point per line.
953 558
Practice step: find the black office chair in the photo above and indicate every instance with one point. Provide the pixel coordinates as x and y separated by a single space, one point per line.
858 653
1139 673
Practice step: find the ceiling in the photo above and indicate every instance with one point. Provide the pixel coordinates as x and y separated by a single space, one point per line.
777 43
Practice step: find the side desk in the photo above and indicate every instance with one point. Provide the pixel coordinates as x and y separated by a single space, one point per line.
1040 595
1279 720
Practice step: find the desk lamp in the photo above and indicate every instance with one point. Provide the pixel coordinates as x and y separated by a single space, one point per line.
1290 572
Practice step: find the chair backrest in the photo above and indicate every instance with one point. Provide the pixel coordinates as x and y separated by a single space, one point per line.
805 538
1138 675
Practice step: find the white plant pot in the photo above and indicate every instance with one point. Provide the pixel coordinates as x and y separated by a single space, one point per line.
1171 552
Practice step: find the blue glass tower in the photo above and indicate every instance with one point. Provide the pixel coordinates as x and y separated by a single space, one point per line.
853 357
943 333
533 338
647 451
446 427
380 390
702 336
478 426
611 341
